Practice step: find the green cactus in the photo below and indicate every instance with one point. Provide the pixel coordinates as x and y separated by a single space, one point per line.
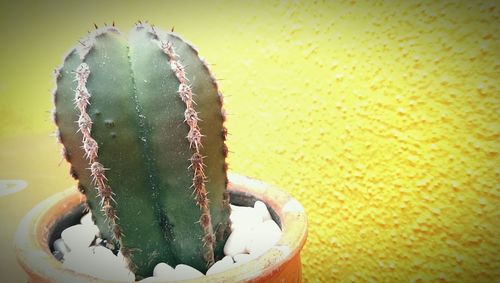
141 122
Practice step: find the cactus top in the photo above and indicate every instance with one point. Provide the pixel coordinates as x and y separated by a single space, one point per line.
141 121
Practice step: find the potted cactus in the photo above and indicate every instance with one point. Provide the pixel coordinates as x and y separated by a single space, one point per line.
141 124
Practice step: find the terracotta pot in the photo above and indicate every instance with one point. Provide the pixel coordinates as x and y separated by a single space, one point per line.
44 224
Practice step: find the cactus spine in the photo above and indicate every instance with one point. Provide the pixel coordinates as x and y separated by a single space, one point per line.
141 122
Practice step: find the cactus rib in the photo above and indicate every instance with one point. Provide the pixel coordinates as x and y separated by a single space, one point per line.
194 138
91 148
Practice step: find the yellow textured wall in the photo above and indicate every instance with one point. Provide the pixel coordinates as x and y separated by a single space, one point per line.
382 118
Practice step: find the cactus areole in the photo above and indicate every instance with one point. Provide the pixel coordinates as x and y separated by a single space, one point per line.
141 122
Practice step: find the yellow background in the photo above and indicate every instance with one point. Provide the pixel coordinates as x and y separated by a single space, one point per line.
381 118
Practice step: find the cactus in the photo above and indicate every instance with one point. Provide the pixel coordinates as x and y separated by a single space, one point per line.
141 123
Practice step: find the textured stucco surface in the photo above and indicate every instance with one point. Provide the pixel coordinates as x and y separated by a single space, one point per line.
382 119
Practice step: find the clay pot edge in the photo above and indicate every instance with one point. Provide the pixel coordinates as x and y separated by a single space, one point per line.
33 254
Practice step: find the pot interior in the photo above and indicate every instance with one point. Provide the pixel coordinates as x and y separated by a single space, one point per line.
75 214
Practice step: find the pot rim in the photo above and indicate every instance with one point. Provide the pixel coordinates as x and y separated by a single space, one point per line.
32 236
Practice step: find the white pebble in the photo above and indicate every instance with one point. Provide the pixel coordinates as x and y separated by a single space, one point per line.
151 279
163 270
261 209
237 241
221 265
60 246
87 219
97 233
121 258
244 217
104 253
242 258
183 271
99 262
74 259
78 236
263 237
